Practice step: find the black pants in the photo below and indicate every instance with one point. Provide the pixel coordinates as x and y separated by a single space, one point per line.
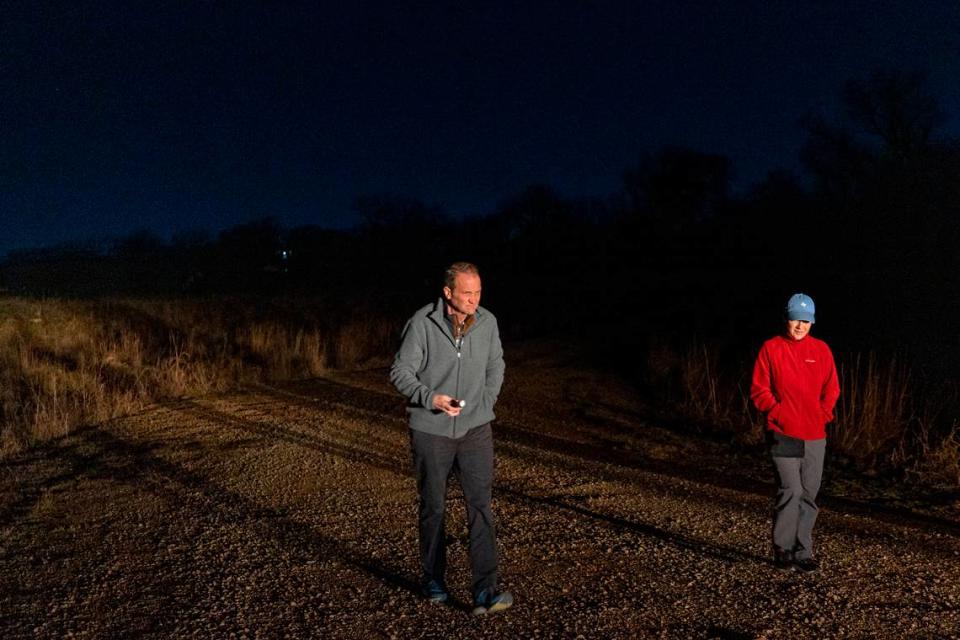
472 457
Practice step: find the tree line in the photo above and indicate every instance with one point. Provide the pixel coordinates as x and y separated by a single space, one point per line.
870 229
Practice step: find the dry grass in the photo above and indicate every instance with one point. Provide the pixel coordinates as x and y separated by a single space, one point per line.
65 363
938 461
883 420
717 398
701 385
930 450
874 410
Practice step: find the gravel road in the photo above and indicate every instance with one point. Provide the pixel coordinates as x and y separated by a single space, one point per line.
288 511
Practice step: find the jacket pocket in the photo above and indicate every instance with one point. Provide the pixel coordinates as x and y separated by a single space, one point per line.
774 414
827 417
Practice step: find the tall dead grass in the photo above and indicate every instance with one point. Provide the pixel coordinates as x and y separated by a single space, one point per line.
67 363
714 396
874 410
930 451
884 420
937 457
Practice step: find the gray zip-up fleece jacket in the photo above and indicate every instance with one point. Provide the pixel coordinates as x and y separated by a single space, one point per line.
429 362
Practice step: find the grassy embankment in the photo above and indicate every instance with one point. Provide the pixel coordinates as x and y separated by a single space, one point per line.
66 363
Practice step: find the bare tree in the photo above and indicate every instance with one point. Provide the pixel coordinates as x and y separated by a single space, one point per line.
896 107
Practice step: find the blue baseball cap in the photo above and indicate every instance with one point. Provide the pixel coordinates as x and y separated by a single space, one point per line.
800 307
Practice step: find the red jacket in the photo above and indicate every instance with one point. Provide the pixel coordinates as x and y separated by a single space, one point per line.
795 384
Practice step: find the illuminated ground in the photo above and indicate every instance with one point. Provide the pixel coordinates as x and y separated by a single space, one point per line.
288 511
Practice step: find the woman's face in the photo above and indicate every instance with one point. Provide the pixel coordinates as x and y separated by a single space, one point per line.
798 329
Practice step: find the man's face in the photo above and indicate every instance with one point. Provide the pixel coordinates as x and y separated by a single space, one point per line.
798 329
465 295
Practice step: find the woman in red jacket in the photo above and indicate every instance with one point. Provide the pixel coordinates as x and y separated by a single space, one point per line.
795 385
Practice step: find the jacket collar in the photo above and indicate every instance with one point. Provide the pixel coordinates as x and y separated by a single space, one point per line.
439 315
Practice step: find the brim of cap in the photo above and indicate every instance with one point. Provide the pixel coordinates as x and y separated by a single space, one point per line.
801 315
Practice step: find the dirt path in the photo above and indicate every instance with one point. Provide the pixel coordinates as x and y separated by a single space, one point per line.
289 511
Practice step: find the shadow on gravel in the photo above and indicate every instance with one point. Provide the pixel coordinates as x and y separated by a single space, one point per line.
383 461
365 456
722 633
100 455
65 460
720 552
376 459
317 392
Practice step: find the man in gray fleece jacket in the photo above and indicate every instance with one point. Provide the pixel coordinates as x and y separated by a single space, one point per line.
450 368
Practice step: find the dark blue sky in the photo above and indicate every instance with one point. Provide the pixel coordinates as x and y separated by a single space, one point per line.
177 116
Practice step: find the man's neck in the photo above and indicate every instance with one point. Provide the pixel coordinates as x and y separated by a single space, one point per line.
460 318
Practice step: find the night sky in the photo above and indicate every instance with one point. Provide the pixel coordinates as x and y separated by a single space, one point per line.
200 115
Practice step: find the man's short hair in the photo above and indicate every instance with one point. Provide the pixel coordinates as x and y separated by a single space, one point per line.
450 276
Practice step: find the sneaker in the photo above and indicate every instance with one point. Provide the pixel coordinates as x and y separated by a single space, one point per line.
806 565
783 560
492 603
435 591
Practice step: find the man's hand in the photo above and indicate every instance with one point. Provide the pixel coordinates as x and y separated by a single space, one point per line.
446 404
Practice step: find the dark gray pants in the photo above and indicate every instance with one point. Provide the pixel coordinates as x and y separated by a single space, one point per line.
472 458
795 512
